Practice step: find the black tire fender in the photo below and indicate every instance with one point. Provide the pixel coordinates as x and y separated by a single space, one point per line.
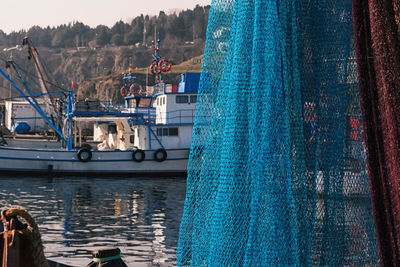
160 155
138 155
84 154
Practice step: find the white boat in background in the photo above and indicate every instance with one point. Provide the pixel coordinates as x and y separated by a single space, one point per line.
151 135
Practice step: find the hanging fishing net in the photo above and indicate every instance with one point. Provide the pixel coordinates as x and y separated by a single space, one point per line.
277 171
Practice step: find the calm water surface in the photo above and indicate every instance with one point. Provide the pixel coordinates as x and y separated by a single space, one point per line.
141 216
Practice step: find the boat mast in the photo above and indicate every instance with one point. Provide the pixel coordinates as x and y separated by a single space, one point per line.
50 103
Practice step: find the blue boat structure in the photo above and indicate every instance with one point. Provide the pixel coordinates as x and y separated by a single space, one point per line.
151 134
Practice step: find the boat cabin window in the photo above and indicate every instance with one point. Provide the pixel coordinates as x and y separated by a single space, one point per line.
132 139
173 132
142 102
160 101
145 102
182 99
162 131
167 131
132 103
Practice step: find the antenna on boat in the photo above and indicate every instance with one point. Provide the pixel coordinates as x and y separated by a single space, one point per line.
147 78
159 64
11 50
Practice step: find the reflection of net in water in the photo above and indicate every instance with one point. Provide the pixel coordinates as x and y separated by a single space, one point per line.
277 170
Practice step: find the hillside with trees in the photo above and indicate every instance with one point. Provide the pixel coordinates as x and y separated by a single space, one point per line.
186 26
76 52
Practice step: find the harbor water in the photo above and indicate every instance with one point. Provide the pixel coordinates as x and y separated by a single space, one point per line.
141 216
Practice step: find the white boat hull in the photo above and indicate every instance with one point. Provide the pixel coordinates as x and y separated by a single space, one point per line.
102 162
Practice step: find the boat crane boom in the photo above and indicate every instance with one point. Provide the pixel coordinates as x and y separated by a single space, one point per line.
43 86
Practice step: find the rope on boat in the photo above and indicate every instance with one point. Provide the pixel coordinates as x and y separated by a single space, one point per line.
32 232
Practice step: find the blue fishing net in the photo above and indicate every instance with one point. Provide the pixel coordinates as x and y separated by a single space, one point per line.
277 173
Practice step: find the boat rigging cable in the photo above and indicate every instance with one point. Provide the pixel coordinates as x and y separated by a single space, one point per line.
31 98
34 77
30 94
32 104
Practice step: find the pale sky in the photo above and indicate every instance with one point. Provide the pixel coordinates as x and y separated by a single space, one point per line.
23 14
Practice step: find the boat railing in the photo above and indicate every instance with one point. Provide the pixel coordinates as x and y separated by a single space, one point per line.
177 117
146 116
184 116
165 88
98 106
108 106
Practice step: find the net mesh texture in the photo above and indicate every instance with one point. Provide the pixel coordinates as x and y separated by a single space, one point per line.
277 172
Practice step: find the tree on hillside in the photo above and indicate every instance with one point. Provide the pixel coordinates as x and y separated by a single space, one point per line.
161 23
103 35
15 38
3 38
120 28
137 23
136 33
59 37
132 37
198 22
117 39
187 31
82 33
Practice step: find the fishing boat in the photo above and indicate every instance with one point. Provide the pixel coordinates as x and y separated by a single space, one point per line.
151 134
